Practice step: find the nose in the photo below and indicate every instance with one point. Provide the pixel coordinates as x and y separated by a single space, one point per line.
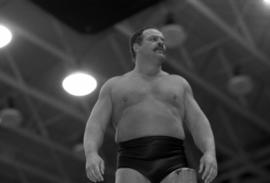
161 44
160 41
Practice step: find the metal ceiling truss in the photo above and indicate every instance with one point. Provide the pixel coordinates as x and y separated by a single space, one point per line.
55 150
240 21
246 42
29 92
66 56
229 72
41 96
38 119
241 154
243 41
24 168
221 97
116 49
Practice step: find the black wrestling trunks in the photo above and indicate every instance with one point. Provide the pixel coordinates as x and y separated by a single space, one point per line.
153 156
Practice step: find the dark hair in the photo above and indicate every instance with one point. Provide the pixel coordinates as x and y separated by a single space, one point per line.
137 37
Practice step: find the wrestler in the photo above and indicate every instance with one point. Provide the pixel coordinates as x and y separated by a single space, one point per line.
148 108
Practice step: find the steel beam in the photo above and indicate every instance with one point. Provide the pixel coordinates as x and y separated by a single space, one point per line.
41 141
208 13
222 98
115 47
30 170
240 21
53 102
243 155
40 124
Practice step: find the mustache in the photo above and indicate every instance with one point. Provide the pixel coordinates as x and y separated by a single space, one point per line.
160 47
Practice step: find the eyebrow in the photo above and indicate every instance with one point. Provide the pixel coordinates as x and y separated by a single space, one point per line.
157 36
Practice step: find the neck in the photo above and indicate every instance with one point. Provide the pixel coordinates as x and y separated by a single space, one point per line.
147 66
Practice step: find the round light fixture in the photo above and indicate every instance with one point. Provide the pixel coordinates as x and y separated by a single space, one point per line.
79 84
10 117
267 1
5 36
240 85
174 35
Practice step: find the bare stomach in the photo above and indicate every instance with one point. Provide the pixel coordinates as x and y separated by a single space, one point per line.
146 119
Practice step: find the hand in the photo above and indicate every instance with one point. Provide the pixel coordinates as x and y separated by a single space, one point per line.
94 167
208 167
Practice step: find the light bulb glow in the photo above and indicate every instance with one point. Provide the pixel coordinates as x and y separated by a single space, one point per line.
5 36
267 1
174 35
79 84
240 85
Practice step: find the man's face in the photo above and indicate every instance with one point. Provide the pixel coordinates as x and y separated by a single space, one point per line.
152 44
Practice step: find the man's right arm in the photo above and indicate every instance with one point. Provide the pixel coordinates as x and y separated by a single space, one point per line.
94 133
98 120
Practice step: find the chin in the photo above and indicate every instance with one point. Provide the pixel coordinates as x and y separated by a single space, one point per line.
162 57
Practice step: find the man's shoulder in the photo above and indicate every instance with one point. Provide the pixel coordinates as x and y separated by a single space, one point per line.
179 79
111 82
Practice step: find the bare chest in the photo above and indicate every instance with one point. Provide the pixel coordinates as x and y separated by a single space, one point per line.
133 91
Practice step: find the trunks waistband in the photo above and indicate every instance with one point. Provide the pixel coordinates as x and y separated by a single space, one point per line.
151 147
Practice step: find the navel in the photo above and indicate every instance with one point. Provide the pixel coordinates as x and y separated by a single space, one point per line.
125 99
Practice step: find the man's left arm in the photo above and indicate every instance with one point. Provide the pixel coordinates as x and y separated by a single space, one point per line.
201 131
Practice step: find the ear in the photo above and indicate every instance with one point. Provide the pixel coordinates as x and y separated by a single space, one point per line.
136 47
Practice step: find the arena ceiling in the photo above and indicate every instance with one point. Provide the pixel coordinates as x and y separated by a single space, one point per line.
224 39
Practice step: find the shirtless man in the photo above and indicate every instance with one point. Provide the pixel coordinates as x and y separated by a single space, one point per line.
148 108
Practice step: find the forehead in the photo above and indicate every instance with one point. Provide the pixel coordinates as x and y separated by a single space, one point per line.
152 32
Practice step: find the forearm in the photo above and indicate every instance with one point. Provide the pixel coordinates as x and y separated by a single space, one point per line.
203 137
93 138
206 145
